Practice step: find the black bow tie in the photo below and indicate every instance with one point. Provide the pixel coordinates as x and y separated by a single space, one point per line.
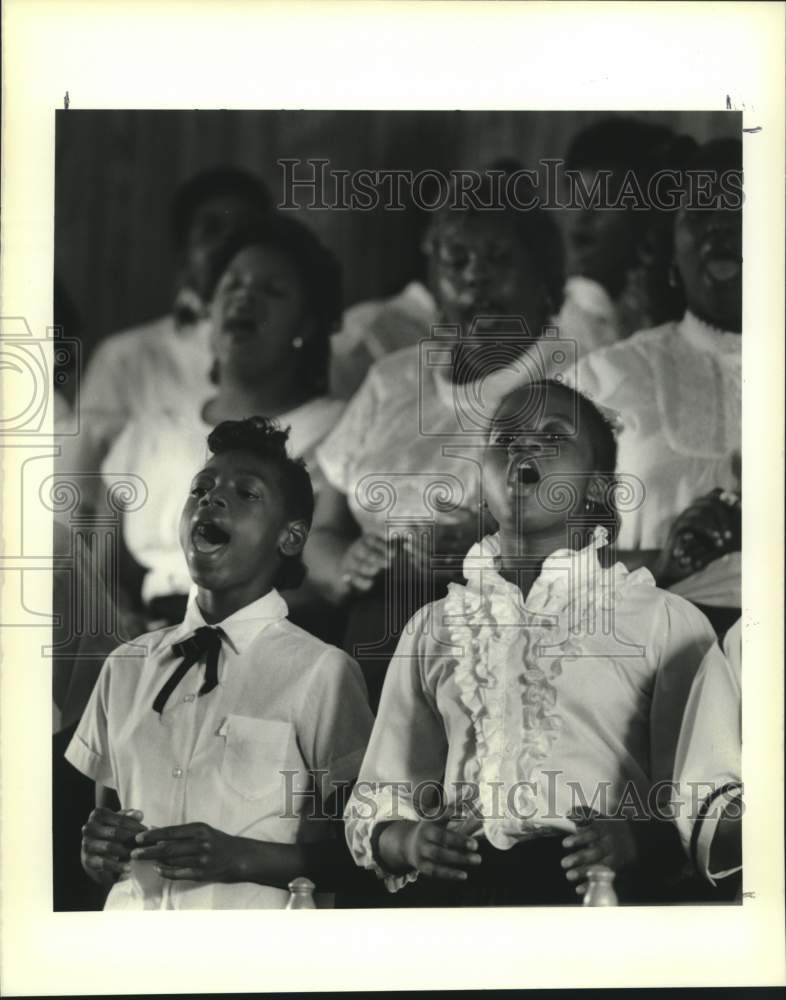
204 640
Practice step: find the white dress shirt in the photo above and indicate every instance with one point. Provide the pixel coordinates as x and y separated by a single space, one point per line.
677 390
571 696
165 448
709 752
285 701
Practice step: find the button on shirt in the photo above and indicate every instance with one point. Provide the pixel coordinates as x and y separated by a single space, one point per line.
285 702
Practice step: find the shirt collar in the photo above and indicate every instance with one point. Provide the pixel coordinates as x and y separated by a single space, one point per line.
241 627
709 338
566 575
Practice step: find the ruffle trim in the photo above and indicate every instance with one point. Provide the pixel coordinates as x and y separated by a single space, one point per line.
360 829
485 620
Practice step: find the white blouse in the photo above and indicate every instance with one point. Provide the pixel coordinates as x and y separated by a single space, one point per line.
677 390
165 448
526 709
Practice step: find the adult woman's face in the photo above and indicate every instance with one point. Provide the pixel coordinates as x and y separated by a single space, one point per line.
258 310
602 241
708 257
481 269
215 220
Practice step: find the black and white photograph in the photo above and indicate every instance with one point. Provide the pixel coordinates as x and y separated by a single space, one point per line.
392 462
405 455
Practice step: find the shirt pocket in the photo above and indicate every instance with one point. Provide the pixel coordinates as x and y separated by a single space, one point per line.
255 752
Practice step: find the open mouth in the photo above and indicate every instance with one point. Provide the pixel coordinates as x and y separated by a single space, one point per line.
723 267
524 472
208 538
239 325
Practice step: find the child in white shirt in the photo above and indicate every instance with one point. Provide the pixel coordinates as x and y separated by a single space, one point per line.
217 745
549 687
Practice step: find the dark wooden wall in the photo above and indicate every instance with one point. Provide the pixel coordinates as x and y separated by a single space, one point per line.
116 173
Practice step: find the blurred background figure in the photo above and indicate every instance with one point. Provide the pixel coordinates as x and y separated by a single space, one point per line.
275 306
677 389
618 257
169 357
388 466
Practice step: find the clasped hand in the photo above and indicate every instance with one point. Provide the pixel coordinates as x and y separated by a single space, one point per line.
194 851
107 840
371 554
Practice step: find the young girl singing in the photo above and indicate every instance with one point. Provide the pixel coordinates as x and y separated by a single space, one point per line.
216 745
547 689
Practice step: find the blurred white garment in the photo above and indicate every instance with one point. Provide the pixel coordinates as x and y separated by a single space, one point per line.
708 759
372 329
588 315
409 442
677 391
152 366
718 585
378 327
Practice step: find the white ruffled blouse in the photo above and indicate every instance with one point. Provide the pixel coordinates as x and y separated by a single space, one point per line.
677 390
526 709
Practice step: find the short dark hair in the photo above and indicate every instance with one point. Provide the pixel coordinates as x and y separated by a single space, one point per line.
615 142
264 438
535 228
604 446
319 272
215 183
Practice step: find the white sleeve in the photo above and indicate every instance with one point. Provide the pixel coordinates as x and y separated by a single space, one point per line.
89 750
335 721
616 378
408 746
682 636
707 768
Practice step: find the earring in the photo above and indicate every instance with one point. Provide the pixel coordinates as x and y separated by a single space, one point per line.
674 281
297 343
